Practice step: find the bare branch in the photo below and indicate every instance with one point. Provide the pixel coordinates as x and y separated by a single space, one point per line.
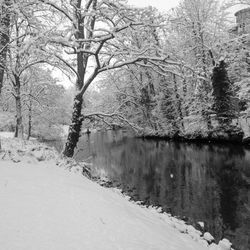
31 64
112 115
58 9
67 64
89 81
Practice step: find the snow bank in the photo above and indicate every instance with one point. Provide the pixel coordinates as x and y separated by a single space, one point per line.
43 206
18 150
6 134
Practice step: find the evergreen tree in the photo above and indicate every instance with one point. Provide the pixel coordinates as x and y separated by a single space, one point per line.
225 104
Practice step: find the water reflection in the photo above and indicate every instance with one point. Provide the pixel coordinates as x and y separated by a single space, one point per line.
198 182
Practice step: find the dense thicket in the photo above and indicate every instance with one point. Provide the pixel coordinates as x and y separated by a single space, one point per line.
202 93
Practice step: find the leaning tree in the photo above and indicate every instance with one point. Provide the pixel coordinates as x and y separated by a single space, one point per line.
95 38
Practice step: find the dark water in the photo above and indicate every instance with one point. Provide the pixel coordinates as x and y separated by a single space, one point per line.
196 182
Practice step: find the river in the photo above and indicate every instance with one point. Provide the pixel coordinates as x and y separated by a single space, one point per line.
207 183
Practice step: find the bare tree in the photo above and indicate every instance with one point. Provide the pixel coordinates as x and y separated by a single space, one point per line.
199 27
99 43
23 53
40 95
4 35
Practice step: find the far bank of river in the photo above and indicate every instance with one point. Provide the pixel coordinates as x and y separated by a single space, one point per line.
196 129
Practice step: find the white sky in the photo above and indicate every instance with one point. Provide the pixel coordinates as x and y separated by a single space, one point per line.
165 5
162 5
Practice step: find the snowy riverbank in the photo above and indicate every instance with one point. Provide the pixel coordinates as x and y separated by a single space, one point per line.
195 129
44 206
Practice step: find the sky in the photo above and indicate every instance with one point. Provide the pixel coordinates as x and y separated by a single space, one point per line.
165 5
162 5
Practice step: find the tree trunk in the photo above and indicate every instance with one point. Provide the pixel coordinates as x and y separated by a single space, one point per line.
82 60
4 36
30 120
184 90
75 127
19 118
178 102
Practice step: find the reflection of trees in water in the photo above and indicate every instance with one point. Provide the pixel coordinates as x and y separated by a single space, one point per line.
202 182
232 181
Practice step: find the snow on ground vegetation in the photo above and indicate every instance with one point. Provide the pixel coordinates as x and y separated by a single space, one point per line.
47 207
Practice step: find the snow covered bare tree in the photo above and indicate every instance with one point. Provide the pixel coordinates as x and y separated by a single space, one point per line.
95 39
24 42
4 35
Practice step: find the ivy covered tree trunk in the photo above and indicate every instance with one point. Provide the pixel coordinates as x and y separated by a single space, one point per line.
4 36
82 60
75 127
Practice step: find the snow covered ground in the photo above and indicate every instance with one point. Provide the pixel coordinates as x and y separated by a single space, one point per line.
43 206
7 134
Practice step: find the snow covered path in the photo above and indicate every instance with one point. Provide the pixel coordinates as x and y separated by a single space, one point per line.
44 207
